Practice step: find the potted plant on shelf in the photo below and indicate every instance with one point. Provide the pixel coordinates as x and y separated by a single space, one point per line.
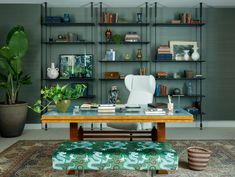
61 96
13 112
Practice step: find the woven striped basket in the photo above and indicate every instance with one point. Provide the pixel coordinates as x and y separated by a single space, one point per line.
198 158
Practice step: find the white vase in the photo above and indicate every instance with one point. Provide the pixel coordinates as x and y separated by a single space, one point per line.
52 72
186 55
195 54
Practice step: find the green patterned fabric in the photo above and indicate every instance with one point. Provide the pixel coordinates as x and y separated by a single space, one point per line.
115 155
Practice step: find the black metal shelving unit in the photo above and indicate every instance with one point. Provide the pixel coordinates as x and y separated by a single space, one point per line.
142 43
198 64
46 46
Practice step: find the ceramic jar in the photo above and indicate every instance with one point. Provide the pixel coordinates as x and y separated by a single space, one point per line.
139 54
195 55
52 72
186 55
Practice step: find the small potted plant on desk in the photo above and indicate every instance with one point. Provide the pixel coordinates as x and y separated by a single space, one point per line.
61 96
13 112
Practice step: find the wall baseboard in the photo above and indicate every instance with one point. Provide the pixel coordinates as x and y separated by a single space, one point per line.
170 125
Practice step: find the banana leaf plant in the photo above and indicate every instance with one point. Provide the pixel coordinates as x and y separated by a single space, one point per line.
11 56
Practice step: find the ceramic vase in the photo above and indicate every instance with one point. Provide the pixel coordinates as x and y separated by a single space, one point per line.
63 105
195 54
66 18
139 54
186 55
52 72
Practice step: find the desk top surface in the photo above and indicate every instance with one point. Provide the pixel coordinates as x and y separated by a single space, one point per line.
179 115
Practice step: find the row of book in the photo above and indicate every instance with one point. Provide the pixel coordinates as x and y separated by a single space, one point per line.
69 37
185 18
164 53
109 17
161 90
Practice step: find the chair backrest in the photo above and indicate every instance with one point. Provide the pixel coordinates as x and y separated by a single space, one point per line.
141 88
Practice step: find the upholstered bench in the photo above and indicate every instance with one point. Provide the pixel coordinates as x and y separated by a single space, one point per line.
115 155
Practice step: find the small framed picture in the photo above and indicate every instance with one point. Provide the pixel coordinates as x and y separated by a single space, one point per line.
76 65
178 47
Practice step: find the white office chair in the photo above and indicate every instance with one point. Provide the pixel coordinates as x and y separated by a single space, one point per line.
141 89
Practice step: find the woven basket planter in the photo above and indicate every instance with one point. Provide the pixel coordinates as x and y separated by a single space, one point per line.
198 158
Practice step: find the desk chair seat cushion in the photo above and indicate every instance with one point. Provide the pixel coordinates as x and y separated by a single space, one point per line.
115 155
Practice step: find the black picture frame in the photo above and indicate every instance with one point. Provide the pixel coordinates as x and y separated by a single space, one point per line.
76 66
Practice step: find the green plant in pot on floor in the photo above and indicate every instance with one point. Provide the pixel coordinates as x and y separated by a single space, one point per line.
13 112
61 96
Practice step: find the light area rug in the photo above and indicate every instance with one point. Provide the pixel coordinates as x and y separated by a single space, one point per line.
32 158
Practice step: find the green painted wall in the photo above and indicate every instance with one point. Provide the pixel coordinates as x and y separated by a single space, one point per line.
29 17
218 45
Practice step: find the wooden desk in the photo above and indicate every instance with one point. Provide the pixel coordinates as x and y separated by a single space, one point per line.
95 117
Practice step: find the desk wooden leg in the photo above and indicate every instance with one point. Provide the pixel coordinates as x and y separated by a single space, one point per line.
161 132
73 132
161 137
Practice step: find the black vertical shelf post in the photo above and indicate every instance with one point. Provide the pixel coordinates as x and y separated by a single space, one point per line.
201 67
101 38
44 34
146 31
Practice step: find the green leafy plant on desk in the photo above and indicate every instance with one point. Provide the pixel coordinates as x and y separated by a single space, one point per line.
61 96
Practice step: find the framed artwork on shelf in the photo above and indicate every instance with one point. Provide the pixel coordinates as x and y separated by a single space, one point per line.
180 48
76 65
85 93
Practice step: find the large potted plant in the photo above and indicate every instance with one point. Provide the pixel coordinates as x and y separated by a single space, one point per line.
61 96
13 112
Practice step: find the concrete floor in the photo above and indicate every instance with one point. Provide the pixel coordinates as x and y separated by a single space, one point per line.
172 133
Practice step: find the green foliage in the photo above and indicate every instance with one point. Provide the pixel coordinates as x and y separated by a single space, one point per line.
11 55
58 93
117 38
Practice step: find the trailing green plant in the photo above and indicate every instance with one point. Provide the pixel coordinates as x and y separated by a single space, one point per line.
58 93
11 56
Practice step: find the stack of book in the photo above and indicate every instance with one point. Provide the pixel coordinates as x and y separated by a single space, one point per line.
106 108
132 37
53 19
185 18
133 108
109 17
164 53
161 90
154 111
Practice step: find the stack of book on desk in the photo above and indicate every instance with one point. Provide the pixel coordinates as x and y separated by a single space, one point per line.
132 108
106 108
154 111
88 106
